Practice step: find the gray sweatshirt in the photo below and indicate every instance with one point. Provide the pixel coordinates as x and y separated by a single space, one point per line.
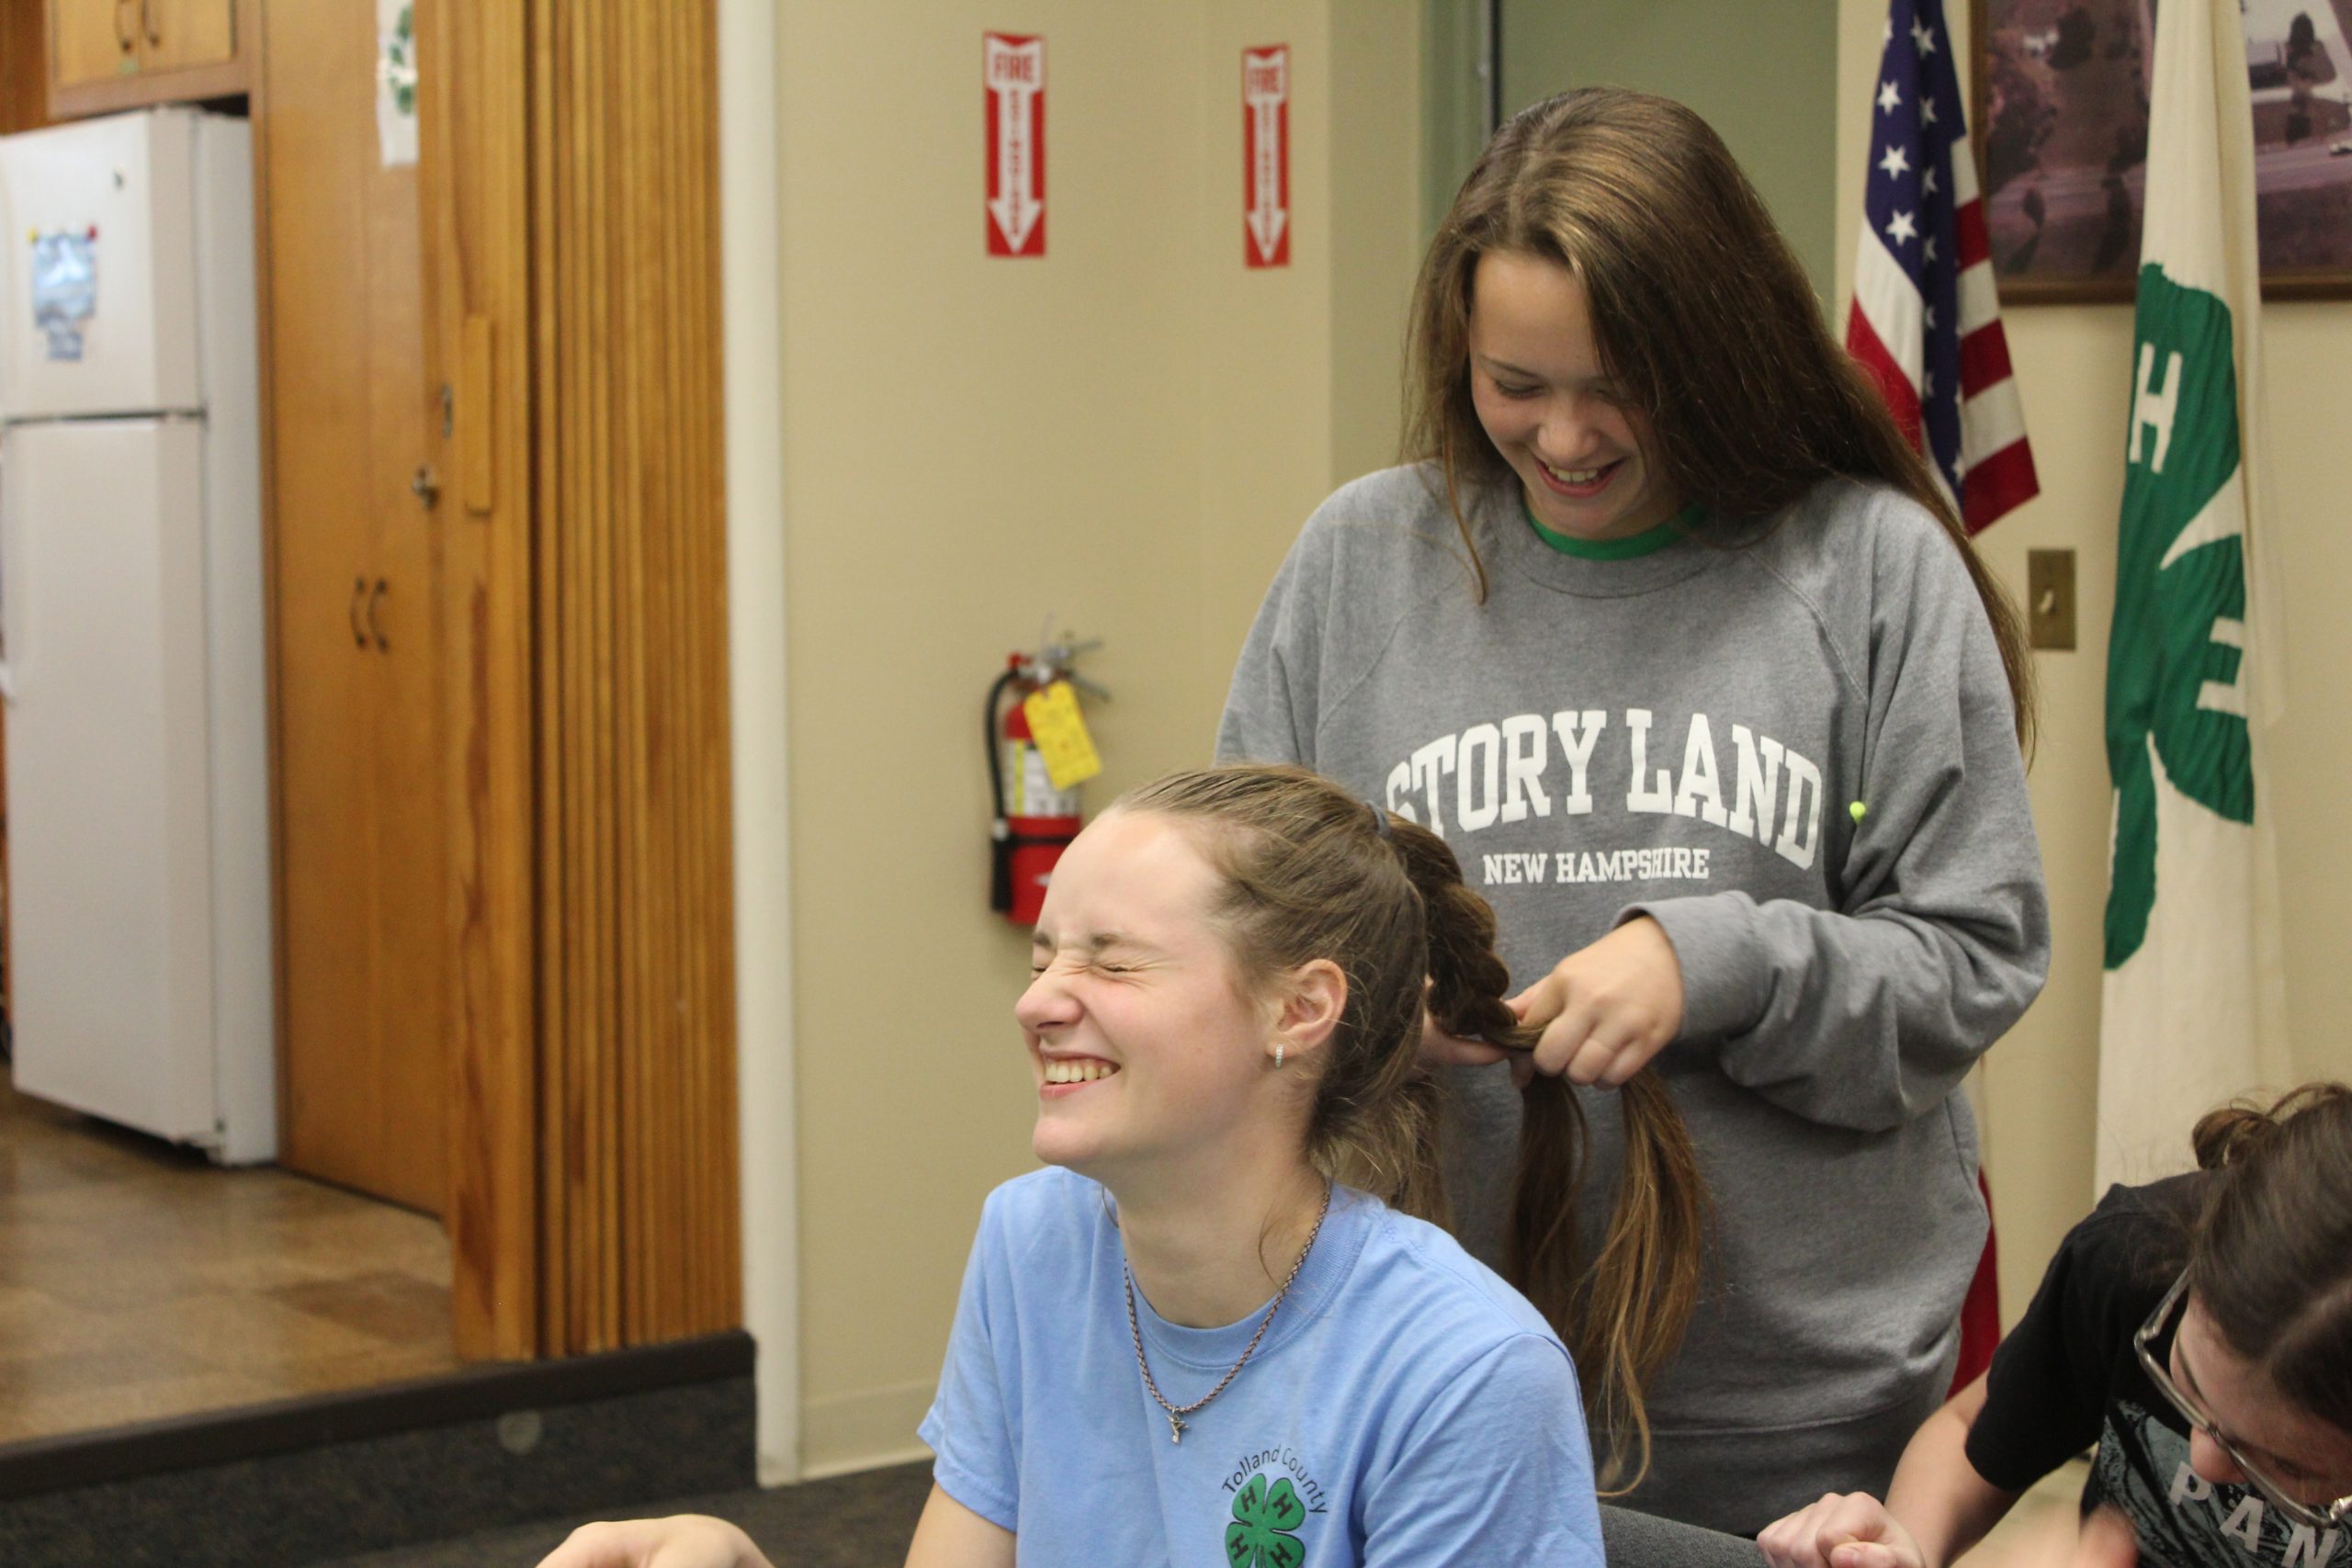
1797 755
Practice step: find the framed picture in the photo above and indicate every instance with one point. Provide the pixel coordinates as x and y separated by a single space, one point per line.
2062 134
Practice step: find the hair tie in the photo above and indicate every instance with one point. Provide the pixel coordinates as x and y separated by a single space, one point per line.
1379 818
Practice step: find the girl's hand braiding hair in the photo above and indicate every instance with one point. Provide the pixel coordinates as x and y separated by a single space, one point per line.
1606 1010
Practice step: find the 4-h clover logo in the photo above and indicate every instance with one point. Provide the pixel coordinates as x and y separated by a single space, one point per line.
1260 1536
2174 661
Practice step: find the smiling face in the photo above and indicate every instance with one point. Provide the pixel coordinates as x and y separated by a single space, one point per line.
2309 1458
1587 461
1149 1051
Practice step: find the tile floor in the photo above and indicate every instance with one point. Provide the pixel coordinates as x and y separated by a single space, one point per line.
139 1282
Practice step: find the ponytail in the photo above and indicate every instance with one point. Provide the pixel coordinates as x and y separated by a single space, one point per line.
1623 1314
2229 1135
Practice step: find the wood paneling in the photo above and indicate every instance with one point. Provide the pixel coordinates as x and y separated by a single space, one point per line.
366 947
570 163
475 69
636 953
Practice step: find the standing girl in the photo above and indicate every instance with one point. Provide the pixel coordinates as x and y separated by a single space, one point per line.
1672 637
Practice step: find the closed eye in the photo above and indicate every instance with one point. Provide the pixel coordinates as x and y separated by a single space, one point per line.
1039 966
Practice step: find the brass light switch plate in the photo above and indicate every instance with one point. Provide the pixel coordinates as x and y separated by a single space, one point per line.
2050 599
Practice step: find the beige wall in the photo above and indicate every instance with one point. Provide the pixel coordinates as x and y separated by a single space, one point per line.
2073 371
1376 193
1757 72
1127 435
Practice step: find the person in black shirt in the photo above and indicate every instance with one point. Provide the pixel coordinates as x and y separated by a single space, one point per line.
2198 1331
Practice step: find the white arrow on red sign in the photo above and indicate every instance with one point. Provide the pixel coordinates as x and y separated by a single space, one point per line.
1265 136
1013 73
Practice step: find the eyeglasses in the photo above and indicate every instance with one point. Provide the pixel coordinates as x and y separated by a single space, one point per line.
2317 1517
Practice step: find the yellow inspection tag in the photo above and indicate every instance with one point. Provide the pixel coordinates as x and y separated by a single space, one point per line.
1061 733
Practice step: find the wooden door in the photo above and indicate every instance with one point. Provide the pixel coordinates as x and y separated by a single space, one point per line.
95 41
177 34
361 847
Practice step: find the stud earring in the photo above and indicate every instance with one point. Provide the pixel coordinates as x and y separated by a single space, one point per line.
1278 1056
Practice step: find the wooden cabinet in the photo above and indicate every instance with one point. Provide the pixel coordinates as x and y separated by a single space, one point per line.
107 55
175 35
353 413
95 41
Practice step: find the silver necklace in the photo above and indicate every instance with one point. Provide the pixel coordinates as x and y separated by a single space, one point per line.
1176 1413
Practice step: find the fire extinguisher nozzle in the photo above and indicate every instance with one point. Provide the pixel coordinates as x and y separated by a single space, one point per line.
1001 873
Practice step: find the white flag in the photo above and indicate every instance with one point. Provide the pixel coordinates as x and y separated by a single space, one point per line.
2193 1011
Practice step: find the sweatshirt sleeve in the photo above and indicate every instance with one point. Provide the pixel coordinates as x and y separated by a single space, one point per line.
1270 709
1867 1014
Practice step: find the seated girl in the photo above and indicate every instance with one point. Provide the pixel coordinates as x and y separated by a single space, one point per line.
1204 1328
2198 1330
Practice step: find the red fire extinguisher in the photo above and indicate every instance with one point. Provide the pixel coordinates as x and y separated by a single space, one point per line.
1034 822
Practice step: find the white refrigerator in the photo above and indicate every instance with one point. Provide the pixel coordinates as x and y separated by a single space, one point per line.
131 652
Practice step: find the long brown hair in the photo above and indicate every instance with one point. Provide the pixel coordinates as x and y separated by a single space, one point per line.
2270 1257
1703 315
1310 872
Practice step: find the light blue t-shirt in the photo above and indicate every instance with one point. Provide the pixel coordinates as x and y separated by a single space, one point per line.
1406 1408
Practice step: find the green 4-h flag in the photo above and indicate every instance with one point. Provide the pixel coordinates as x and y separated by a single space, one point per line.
2193 1009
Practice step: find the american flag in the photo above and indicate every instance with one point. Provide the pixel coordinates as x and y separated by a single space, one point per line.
1926 320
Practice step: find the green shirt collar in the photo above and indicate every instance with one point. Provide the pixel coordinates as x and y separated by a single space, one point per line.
1648 542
